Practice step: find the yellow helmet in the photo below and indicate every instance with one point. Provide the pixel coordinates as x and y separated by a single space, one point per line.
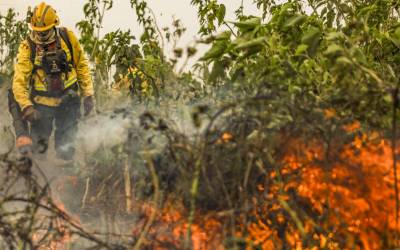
44 17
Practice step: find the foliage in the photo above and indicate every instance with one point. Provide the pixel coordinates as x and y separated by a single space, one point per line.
340 57
12 32
211 15
145 19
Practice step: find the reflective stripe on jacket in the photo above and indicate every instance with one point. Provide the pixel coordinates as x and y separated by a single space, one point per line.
23 71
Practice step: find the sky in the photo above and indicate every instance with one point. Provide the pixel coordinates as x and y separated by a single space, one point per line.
122 16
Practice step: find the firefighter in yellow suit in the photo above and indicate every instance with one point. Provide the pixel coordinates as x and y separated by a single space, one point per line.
51 78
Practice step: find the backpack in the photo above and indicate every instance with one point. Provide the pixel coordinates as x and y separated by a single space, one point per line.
64 36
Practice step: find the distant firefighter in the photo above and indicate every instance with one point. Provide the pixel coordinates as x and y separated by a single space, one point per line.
51 78
134 81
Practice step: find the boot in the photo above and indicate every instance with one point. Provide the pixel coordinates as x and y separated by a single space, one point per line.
24 145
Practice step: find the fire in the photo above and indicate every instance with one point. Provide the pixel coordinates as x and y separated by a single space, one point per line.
61 239
170 229
225 138
342 199
353 190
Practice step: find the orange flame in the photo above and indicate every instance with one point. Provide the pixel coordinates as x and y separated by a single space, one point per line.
171 227
357 186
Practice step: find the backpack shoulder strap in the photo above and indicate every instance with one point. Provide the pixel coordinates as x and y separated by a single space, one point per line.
32 47
64 35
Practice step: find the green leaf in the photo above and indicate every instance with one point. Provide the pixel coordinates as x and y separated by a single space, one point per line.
252 43
333 49
366 10
295 21
342 60
221 14
334 36
86 8
312 39
217 50
391 71
395 41
249 24
388 98
301 49
239 40
216 72
311 35
223 36
345 8
324 11
294 89
359 55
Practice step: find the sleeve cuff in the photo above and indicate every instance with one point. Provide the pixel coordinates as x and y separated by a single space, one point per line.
24 106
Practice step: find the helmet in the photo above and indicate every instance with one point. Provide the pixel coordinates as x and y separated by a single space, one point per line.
44 17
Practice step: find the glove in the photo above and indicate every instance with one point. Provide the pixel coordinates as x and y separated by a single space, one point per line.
30 114
88 105
24 145
69 96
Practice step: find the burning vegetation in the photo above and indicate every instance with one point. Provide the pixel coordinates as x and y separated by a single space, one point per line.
298 194
284 135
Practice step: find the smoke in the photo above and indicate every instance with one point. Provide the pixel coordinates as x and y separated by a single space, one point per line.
118 123
6 134
112 126
102 130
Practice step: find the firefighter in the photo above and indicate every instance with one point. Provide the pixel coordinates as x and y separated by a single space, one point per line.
134 81
51 78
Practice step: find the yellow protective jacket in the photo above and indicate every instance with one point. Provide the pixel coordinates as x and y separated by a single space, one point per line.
23 72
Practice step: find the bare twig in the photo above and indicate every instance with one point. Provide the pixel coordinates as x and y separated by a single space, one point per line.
156 200
84 198
193 193
128 186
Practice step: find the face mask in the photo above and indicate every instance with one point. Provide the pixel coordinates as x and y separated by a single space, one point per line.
44 37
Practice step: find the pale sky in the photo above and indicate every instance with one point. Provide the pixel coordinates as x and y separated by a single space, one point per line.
122 16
